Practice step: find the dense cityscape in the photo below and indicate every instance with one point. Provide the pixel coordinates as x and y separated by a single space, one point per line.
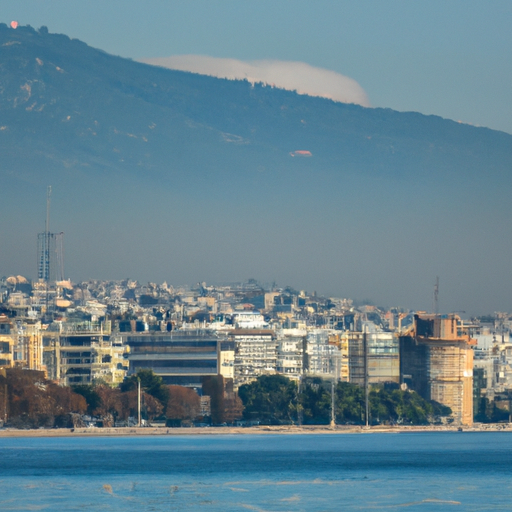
208 354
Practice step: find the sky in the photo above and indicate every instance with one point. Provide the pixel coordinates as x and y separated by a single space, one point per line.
452 59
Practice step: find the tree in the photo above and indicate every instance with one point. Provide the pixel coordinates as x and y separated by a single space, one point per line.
91 396
65 401
214 387
183 404
350 403
33 401
111 404
270 398
233 409
149 382
315 401
150 406
226 406
274 399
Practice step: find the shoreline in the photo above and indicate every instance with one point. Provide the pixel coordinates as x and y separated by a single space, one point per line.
256 430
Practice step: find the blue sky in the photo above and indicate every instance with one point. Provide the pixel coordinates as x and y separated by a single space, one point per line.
452 59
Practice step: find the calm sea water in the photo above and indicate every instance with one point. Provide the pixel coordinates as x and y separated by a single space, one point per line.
417 471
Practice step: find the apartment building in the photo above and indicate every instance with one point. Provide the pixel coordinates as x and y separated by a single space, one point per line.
7 341
81 352
255 354
291 352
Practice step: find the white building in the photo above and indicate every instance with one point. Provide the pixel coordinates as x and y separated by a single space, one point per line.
255 354
323 358
291 348
249 320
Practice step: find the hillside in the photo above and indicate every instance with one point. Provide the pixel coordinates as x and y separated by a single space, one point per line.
117 139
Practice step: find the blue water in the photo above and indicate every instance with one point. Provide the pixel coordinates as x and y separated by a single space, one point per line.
417 471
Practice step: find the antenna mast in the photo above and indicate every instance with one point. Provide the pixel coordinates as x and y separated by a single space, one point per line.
48 202
436 296
366 379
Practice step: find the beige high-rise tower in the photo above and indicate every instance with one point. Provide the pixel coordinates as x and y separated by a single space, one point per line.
436 360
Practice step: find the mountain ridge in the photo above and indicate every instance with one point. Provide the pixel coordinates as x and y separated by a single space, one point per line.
150 87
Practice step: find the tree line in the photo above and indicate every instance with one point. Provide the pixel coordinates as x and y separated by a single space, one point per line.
28 400
275 399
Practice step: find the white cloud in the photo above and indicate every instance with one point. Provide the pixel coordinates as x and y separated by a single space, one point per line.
299 76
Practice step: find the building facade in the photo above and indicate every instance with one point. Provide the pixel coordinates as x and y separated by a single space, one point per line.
255 354
76 353
180 357
436 360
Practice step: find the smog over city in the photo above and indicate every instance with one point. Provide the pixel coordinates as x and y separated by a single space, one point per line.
363 163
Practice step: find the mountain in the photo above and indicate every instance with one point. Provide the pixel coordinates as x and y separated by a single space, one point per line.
160 174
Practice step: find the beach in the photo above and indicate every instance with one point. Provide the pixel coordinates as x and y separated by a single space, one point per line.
254 430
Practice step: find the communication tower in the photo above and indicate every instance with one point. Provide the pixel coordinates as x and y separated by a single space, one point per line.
436 297
50 250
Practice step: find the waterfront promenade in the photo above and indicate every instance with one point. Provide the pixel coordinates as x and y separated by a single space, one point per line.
263 430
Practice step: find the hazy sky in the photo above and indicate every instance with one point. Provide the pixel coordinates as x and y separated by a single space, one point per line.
449 58
452 59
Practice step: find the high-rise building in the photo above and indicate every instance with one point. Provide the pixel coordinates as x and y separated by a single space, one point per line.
436 360
7 342
76 353
255 354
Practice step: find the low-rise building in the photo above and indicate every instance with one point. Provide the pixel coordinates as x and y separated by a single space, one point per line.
181 357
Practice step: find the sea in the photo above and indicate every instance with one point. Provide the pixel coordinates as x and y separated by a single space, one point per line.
424 471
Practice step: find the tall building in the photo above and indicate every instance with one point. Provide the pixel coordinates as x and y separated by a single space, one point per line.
50 256
382 356
323 355
374 351
28 348
291 352
21 344
436 360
